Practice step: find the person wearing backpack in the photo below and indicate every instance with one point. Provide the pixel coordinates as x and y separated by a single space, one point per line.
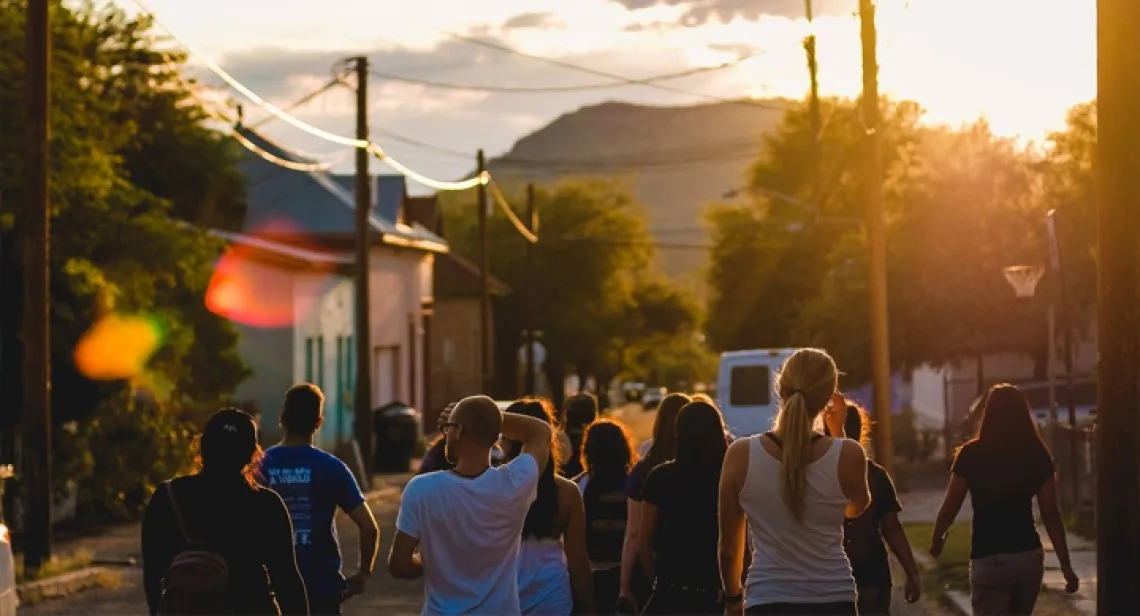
209 539
314 484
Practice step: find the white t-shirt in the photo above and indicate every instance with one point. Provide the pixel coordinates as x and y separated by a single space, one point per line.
643 450
469 531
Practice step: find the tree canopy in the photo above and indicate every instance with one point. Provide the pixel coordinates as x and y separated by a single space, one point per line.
136 176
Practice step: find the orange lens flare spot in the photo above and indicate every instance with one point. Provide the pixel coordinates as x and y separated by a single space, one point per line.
117 347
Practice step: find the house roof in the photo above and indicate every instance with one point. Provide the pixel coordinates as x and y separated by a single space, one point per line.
286 254
319 204
455 276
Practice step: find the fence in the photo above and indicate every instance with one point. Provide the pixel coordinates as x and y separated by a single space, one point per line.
1074 453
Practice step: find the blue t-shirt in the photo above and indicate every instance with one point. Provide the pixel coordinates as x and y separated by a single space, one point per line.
313 485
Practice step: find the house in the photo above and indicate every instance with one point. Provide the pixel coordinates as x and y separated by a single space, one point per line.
310 214
455 342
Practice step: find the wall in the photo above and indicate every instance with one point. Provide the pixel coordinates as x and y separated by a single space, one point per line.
323 348
398 289
455 341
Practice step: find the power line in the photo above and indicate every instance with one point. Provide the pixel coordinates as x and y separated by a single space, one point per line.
334 82
606 74
563 89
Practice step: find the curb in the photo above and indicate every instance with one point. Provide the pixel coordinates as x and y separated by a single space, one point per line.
960 602
62 585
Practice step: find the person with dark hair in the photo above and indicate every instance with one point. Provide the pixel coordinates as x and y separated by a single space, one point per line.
461 528
1003 468
580 411
863 537
788 491
435 455
678 548
554 568
223 511
314 484
634 591
607 456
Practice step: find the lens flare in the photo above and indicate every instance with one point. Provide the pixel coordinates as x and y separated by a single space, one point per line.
118 347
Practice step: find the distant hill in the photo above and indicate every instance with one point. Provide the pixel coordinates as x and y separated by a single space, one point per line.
680 159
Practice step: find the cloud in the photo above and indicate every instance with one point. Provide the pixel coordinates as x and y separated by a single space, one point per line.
699 12
530 20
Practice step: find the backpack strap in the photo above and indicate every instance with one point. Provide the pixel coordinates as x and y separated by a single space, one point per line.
177 513
780 443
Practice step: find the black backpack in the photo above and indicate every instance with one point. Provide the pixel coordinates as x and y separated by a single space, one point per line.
198 579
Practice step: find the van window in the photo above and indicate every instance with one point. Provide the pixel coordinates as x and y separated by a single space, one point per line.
750 386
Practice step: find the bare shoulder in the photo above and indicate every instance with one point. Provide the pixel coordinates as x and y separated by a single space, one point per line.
851 452
567 487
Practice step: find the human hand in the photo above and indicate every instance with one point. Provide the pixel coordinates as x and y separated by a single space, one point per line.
936 545
835 416
913 588
357 582
626 603
1072 582
444 416
734 609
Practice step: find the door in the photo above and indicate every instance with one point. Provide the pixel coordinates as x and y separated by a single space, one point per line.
387 371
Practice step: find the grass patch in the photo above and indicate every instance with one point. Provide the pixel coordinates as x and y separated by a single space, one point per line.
56 565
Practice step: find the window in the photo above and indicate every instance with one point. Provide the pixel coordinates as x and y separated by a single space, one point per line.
321 362
308 360
750 386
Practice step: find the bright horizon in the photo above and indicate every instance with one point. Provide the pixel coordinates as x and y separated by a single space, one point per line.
1021 64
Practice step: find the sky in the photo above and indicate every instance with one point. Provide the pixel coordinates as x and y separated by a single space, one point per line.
1019 63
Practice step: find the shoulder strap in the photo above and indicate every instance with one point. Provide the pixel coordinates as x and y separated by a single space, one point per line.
177 513
779 443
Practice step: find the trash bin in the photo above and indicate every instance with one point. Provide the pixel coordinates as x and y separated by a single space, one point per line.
396 427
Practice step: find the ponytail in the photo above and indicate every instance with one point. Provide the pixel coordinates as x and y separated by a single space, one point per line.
793 426
805 384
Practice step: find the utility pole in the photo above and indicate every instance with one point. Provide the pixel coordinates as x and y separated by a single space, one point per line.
1118 304
1062 295
362 420
813 101
486 357
528 305
876 240
36 326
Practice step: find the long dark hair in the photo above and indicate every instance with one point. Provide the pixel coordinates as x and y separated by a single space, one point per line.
664 445
1007 424
607 454
540 519
700 436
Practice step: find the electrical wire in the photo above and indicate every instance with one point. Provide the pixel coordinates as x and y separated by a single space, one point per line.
606 74
497 195
334 82
269 156
564 89
373 148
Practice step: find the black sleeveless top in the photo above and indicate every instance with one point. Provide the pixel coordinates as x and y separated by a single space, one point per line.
606 513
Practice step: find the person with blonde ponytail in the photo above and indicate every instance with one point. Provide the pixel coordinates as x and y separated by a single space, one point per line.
792 488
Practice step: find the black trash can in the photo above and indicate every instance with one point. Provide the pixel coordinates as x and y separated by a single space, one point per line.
397 428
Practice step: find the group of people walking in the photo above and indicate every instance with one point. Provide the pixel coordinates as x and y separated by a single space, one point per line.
530 511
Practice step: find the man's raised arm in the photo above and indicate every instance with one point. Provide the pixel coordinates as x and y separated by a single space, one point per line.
534 434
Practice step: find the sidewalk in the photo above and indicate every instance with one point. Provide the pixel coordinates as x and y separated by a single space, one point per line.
922 506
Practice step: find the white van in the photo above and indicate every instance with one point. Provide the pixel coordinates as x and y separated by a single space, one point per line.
746 389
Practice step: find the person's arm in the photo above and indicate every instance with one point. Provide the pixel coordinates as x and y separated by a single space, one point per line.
895 537
732 525
281 558
645 538
351 500
853 478
534 434
629 547
1055 526
403 562
159 537
951 505
574 545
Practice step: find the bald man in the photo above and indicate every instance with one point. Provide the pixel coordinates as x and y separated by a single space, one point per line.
466 522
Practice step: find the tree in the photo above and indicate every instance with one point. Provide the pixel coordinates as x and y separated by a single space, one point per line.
594 292
132 162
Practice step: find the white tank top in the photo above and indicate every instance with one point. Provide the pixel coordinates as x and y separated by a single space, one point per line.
544 580
795 561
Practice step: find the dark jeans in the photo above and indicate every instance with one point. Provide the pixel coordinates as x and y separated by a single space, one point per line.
685 599
875 600
607 585
1006 583
325 605
840 608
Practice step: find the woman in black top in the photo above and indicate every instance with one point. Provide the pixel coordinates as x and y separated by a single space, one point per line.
1003 468
679 525
633 591
607 455
224 508
863 537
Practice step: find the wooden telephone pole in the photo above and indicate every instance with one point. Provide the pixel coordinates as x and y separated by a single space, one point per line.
487 359
876 240
1118 308
35 225
362 403
813 101
531 216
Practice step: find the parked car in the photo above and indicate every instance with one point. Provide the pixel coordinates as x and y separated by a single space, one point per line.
653 397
